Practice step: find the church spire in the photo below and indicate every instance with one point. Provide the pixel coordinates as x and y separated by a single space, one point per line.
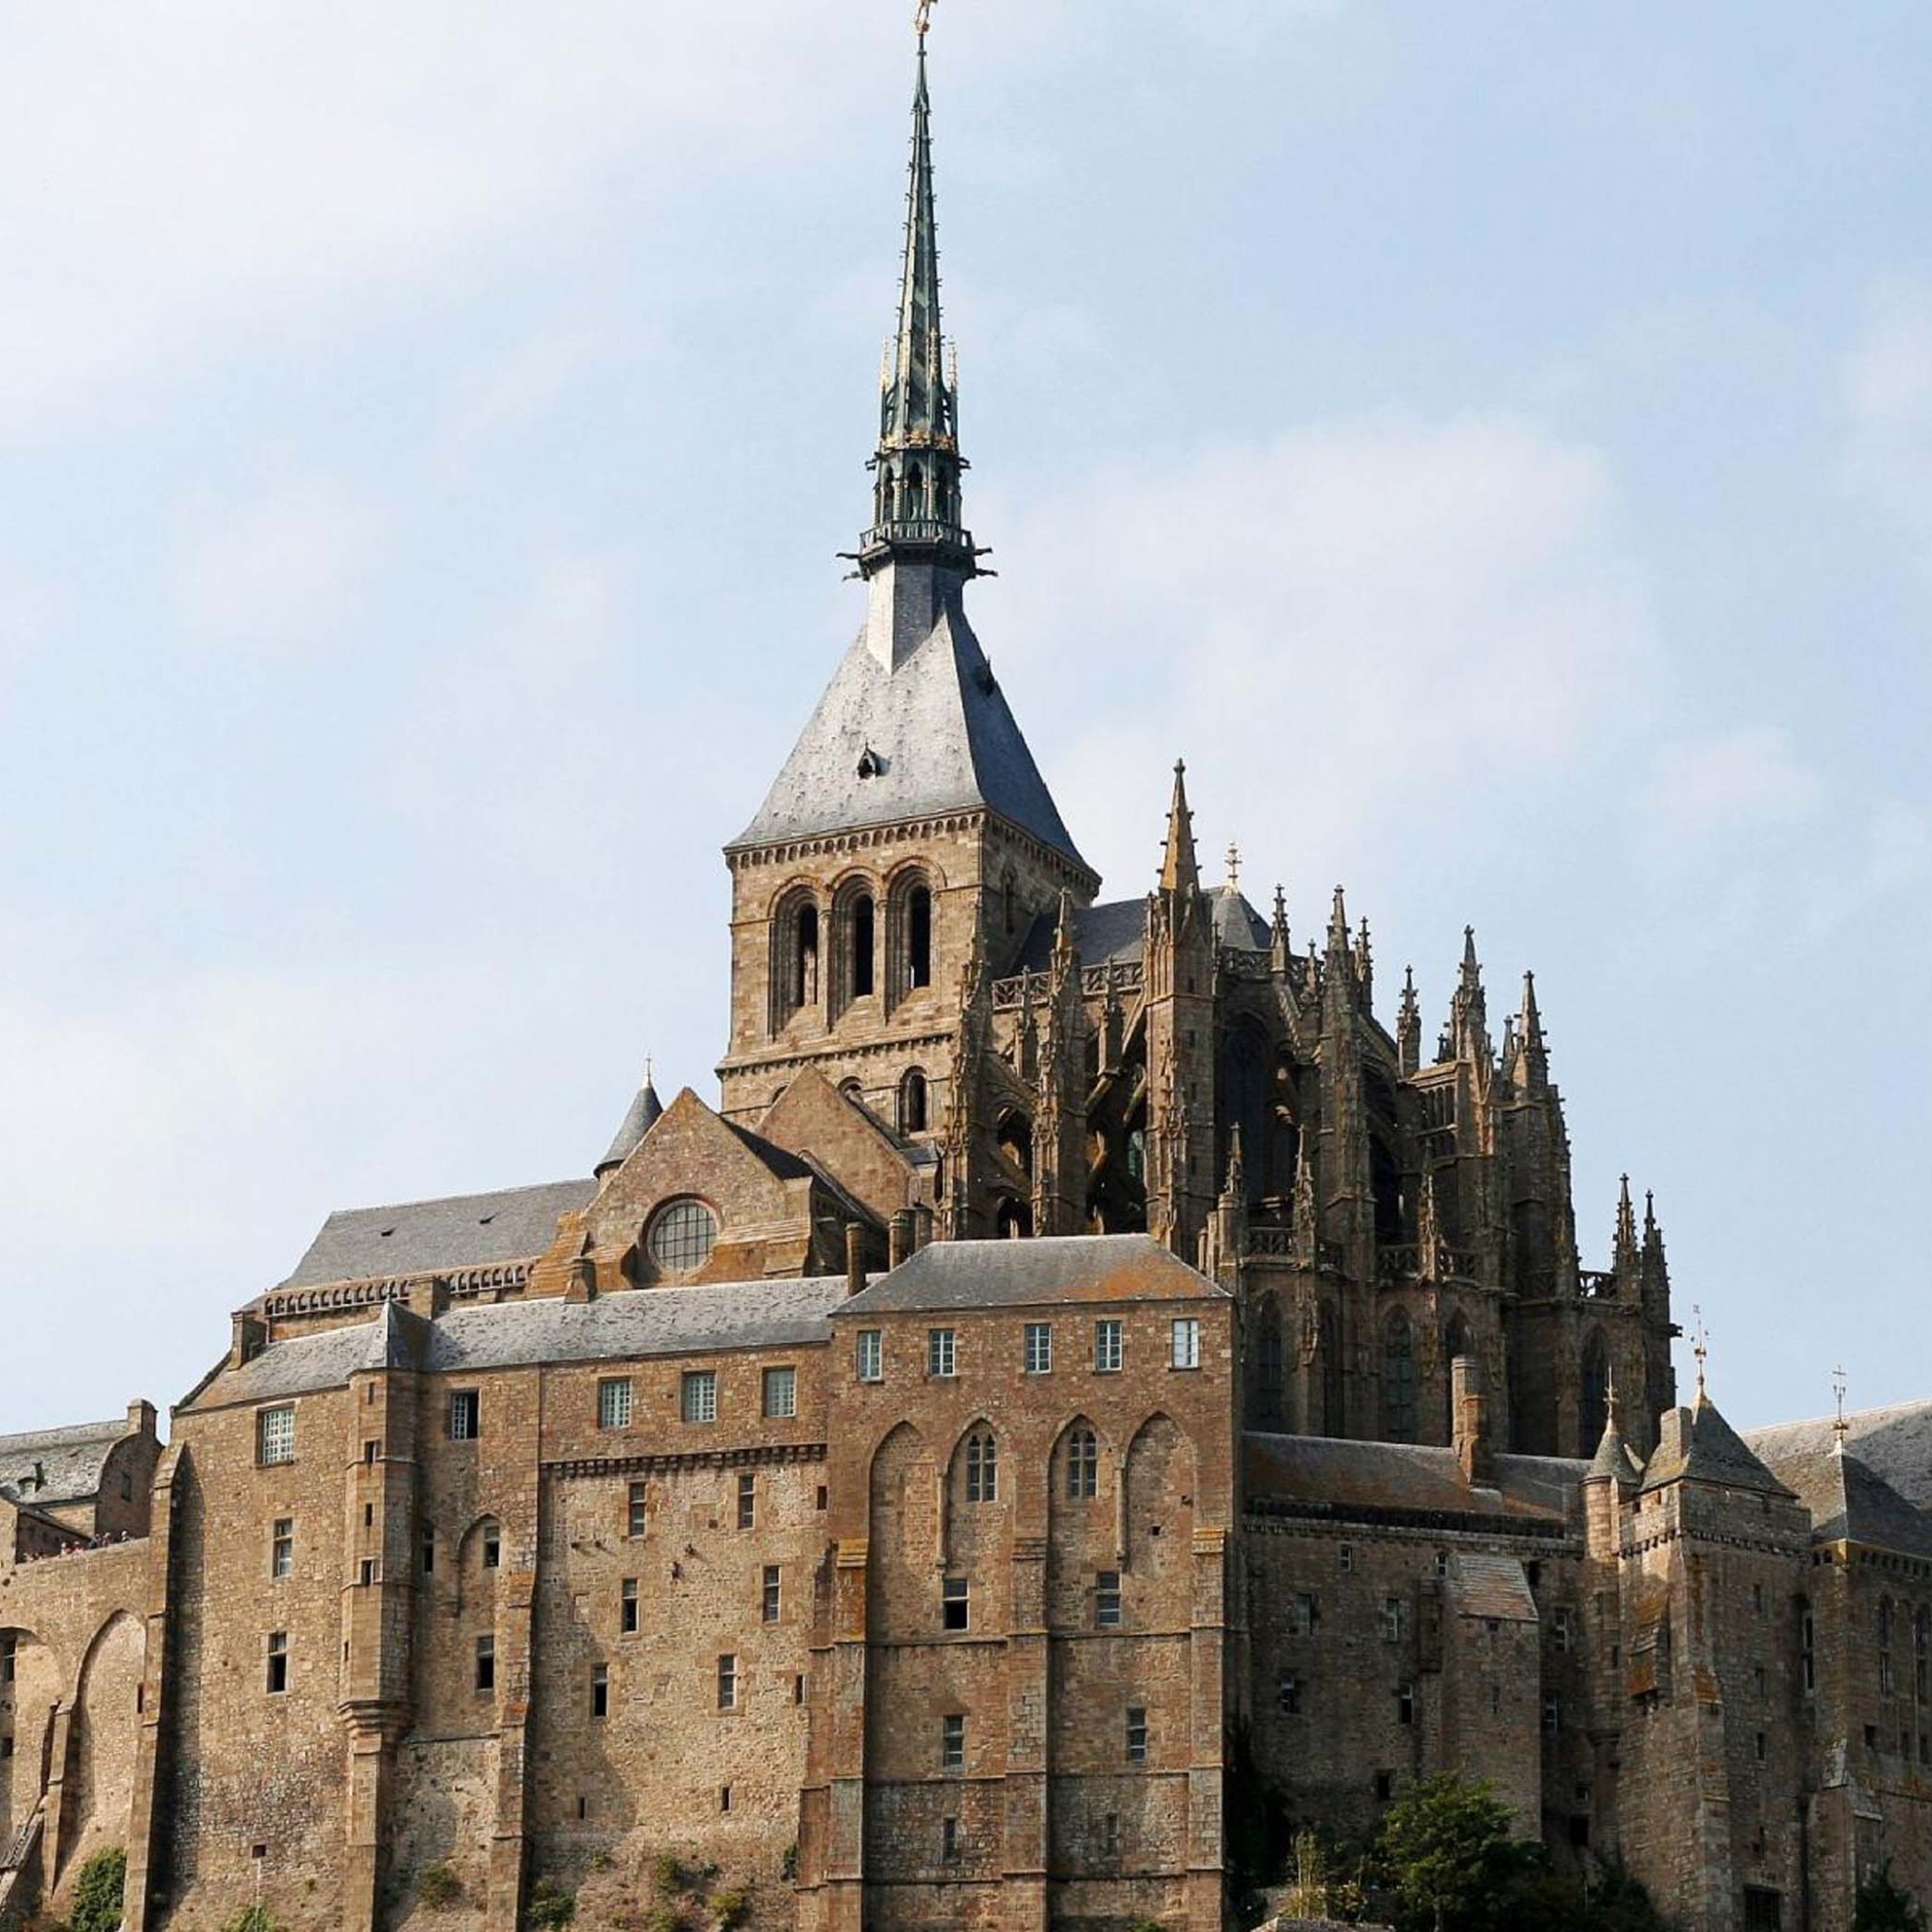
917 465
1179 871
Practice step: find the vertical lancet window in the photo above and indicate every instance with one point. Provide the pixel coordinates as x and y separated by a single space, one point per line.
1594 1412
913 1103
863 948
1398 1379
919 936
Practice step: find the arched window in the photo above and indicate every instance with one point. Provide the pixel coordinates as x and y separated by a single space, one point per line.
912 1102
682 1236
1016 1142
794 948
1398 1379
915 493
919 936
982 1468
1083 1466
1014 1221
1594 1412
1456 1342
1268 1362
862 945
1328 1340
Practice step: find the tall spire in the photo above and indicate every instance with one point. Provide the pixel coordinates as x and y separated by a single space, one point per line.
917 465
1623 1242
1179 871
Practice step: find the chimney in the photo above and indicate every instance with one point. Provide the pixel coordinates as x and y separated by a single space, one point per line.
855 1258
922 1227
249 1338
899 1238
1471 1407
140 1418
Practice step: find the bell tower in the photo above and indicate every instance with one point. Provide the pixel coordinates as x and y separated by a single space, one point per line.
909 834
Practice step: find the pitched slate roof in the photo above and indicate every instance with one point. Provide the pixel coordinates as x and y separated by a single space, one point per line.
65 1465
421 1237
636 1323
1024 1274
1237 924
1696 1444
1895 1442
1403 1477
1491 1586
644 1112
1116 930
1850 1503
941 739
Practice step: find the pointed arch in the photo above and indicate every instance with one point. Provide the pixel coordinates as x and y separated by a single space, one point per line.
1157 1524
1398 1377
1076 1462
101 1740
973 1476
1270 1366
903 1528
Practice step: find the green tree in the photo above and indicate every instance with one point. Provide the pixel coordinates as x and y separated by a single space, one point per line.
1449 1853
97 1892
1884 1905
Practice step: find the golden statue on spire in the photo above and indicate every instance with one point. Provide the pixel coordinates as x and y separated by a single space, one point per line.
922 19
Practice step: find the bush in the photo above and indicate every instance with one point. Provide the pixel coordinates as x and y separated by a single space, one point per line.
438 1888
788 1865
251 1919
730 1909
550 1907
99 1890
667 1875
669 1919
1885 1905
1450 1853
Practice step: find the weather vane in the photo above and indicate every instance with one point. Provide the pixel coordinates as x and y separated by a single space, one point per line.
1234 866
1701 1347
922 18
1840 1428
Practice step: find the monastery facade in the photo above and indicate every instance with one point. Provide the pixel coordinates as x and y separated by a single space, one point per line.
1084 1350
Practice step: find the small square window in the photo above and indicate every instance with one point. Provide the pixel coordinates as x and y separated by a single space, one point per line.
281 1556
1187 1343
699 1400
727 1682
613 1403
486 1663
274 1434
600 1690
1106 1600
782 1393
747 1500
955 1604
769 1597
1038 1351
637 1514
1109 1348
628 1606
952 1742
1137 1734
278 1662
871 1355
940 1351
465 1415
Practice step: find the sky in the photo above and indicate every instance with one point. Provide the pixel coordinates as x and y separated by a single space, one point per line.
1491 442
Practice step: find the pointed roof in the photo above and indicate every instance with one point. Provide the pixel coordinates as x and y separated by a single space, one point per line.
1180 870
1623 1242
1697 1445
1615 1460
1852 1503
643 1115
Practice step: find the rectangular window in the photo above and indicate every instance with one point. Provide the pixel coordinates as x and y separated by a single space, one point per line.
1344 1558
1083 1466
282 1554
1290 1693
1137 1734
1761 1747
1187 1343
636 1513
1559 1628
1108 1349
1552 1715
600 1690
1763 1910
949 1841
727 1682
1106 1600
274 1434
1038 1357
1111 1836
9 1651
952 1742
747 1501
699 1401
1304 1614
370 1451
465 1415
782 1393
628 1606
955 1604
1391 1619
871 1355
940 1352
428 1552
1404 1704
769 1603
486 1663
493 1547
368 1571
613 1403
982 1468
278 1662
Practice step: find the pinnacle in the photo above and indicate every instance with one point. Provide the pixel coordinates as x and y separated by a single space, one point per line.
1179 872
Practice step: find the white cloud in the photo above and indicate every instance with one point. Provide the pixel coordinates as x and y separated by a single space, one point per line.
1707 793
1896 857
1887 385
1395 618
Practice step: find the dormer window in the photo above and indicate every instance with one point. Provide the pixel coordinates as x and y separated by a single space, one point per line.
870 763
681 1237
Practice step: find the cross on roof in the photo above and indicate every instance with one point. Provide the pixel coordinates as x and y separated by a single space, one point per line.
922 18
1840 1428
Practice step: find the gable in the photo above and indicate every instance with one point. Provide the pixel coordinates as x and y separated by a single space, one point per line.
814 1121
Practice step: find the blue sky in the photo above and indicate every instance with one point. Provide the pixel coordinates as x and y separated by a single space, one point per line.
1493 442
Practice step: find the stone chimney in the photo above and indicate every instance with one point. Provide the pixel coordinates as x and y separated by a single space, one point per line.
1470 1405
250 1337
855 1258
140 1418
899 1238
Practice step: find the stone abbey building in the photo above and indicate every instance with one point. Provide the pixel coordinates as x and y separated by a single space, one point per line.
1085 1343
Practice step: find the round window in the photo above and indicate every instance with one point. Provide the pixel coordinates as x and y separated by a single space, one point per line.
682 1236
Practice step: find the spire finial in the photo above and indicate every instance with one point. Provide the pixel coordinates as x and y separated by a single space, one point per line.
1840 1428
1700 1349
1234 867
921 21
1178 870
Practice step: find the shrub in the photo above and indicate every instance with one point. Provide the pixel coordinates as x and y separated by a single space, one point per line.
438 1888
731 1909
99 1890
251 1919
667 1919
1885 1905
550 1907
667 1875
788 1865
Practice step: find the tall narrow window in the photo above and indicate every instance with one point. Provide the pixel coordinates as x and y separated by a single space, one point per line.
274 1434
278 1662
1083 1465
613 1403
940 1352
281 1556
747 1500
1594 1412
1137 1734
770 1600
912 1102
956 1604
1398 1379
871 1355
1038 1348
492 1546
486 1663
805 959
636 1512
953 1741
863 921
727 1682
628 1606
600 1690
1109 1348
465 1415
919 936
1187 1343
982 1468
1106 1600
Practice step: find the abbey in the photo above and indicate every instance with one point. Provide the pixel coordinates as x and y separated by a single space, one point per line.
1084 1349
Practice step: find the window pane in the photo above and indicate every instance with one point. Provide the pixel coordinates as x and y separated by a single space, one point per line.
939 1352
682 1236
701 1396
1187 1345
613 1403
1038 1348
871 1356
1107 1346
275 1437
781 1393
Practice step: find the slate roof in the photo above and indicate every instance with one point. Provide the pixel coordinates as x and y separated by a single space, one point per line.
636 1323
1012 1274
941 737
421 1237
1850 1503
1895 1442
68 1461
1116 930
1404 1477
644 1112
1696 1444
1237 924
1491 1586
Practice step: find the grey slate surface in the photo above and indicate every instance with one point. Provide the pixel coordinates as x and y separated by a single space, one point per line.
421 1237
1895 1442
1015 1274
1491 1586
1403 1475
644 1113
1115 929
1237 924
70 1462
942 731
1696 1444
639 1322
1850 1503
